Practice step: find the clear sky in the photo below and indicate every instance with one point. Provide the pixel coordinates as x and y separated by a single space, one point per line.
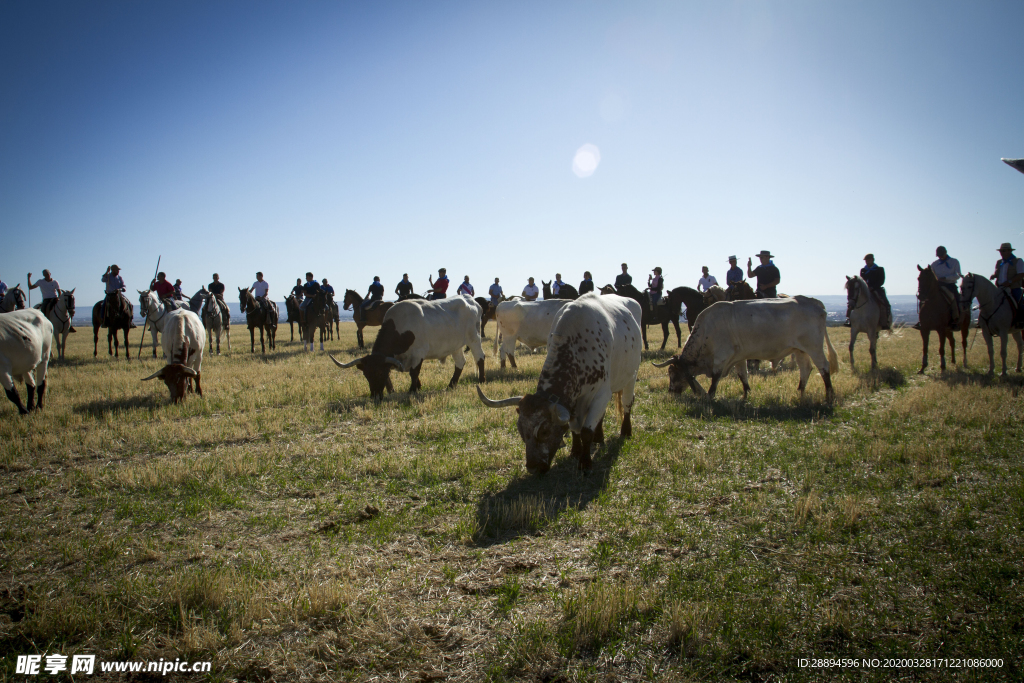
376 138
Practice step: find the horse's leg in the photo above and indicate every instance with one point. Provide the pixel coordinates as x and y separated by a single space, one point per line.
263 345
942 349
95 339
291 329
359 336
854 331
127 347
1002 350
991 351
252 339
1019 338
952 344
679 334
112 331
965 331
664 334
873 347
924 350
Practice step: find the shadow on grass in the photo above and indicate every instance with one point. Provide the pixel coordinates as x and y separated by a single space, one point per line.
530 503
738 409
102 407
960 377
890 377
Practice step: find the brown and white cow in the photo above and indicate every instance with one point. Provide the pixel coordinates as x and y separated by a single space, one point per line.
594 353
184 338
729 333
417 330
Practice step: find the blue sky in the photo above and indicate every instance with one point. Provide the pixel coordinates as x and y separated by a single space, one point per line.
362 139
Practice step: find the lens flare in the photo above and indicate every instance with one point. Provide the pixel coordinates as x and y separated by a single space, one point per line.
586 160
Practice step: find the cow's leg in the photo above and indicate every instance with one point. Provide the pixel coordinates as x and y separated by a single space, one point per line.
481 375
577 446
388 385
803 361
586 441
199 386
414 375
30 389
460 362
12 394
599 432
41 391
924 350
742 373
511 359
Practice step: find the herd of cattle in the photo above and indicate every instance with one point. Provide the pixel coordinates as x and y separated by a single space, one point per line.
594 345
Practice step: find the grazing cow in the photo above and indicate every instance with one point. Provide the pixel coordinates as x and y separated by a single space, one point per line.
414 331
730 332
183 339
26 337
526 321
593 354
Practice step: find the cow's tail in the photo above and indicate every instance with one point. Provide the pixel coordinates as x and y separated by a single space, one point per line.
618 404
833 357
497 334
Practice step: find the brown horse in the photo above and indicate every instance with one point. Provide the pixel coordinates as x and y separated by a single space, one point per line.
118 318
291 305
317 315
257 316
373 317
934 315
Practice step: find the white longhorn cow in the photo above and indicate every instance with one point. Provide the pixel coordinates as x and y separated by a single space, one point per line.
729 333
594 350
417 330
26 338
526 321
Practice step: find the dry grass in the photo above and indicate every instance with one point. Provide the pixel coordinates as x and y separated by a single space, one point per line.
287 527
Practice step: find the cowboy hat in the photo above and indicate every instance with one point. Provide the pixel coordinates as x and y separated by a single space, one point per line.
765 252
1006 245
732 258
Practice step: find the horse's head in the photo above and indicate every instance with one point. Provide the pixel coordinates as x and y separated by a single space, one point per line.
147 301
927 283
18 294
967 290
351 298
69 302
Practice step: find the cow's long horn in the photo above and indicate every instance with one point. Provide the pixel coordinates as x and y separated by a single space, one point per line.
504 403
156 374
189 371
397 363
661 365
344 365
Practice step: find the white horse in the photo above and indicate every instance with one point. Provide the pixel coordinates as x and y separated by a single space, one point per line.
995 316
155 313
865 316
14 299
213 320
60 317
154 329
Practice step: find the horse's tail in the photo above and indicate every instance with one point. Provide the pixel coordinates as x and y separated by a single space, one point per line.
833 357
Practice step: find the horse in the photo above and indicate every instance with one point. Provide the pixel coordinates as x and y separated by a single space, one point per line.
257 316
371 317
113 320
291 306
676 299
995 317
316 316
60 317
565 291
336 317
652 315
168 304
865 316
14 299
196 301
934 314
213 320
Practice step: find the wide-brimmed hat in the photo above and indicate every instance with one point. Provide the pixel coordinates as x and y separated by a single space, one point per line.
1006 245
114 267
731 258
869 256
765 252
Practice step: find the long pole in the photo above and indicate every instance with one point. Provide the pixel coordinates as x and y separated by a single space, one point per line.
145 321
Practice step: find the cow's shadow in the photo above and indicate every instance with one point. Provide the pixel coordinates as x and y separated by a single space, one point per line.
101 407
531 502
979 377
738 409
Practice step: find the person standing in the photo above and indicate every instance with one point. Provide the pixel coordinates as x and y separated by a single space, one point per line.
49 288
1009 276
767 274
439 289
734 274
656 285
374 294
623 278
531 291
404 288
588 283
947 271
497 295
707 281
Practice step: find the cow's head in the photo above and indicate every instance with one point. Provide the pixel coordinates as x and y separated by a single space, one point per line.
542 424
377 370
680 375
177 378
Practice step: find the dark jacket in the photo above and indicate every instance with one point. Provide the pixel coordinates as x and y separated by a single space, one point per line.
586 286
875 276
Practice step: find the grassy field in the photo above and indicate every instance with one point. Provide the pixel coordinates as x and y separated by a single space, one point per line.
285 527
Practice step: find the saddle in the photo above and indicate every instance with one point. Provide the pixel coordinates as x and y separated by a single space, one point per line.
884 310
372 305
115 303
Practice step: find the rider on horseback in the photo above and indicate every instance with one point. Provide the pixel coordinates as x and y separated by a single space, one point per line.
114 300
733 275
874 275
588 283
947 272
259 290
50 289
164 289
309 290
767 275
404 288
439 289
374 294
656 285
217 289
1009 277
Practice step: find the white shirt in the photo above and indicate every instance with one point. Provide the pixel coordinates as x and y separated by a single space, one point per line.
466 288
556 286
948 271
49 289
1004 267
531 291
706 283
260 288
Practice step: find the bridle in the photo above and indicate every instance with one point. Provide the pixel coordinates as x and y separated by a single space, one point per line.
162 313
857 295
69 309
968 297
